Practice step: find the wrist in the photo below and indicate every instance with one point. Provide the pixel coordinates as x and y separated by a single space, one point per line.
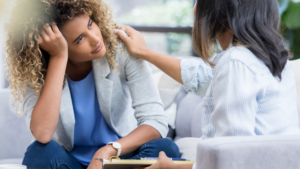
62 55
112 151
146 54
58 61
108 151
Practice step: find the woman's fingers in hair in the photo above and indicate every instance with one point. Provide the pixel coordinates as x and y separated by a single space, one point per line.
48 29
40 39
49 32
52 41
55 28
44 35
51 29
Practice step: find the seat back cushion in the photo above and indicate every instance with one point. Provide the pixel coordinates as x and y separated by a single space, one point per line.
296 69
188 117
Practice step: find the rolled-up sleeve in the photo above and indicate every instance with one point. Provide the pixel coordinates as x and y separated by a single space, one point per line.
146 101
196 75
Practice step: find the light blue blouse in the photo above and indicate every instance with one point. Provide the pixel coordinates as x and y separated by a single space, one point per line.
242 97
91 130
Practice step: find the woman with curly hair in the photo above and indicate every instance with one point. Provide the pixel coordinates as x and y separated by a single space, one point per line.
84 97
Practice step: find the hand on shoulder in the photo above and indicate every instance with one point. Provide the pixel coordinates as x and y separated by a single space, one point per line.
135 42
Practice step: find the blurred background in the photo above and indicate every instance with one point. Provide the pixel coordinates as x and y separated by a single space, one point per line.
167 25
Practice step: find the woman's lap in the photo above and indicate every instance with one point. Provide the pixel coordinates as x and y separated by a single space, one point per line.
52 155
152 149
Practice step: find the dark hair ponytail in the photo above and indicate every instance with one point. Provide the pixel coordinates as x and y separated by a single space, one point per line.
254 23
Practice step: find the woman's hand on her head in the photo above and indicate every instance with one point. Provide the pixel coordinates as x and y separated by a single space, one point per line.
53 42
135 43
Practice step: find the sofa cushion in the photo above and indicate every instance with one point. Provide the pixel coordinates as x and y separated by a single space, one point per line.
187 147
168 89
259 152
188 118
11 161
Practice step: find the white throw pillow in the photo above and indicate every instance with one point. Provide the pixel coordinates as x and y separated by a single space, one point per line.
188 147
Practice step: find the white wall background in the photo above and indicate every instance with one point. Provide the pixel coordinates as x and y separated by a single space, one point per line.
5 8
2 52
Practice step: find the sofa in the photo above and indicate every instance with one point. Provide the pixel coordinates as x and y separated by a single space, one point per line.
182 109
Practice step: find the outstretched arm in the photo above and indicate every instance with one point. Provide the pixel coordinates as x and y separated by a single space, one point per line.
194 74
136 45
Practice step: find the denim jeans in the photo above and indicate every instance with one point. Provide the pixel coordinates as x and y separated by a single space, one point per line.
52 155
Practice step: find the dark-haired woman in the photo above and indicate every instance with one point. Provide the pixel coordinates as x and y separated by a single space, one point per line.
251 87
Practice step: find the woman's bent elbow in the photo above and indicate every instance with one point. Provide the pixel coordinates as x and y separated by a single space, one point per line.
43 140
42 137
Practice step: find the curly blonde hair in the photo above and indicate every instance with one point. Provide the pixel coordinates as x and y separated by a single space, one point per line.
26 62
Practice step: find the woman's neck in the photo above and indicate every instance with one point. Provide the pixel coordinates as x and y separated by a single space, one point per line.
225 39
78 71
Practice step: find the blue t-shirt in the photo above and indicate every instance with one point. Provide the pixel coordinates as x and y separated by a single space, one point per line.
91 130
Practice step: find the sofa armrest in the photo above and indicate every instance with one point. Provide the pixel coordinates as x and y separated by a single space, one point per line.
14 135
260 152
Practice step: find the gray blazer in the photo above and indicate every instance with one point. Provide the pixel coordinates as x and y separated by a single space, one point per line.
127 98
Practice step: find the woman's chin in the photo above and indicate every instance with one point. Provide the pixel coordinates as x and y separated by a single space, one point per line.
100 54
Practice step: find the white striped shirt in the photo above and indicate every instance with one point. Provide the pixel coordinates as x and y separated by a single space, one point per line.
242 97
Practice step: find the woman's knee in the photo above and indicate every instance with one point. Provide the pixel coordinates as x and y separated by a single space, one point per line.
168 146
39 148
42 152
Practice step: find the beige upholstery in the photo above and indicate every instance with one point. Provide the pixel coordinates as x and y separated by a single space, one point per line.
296 68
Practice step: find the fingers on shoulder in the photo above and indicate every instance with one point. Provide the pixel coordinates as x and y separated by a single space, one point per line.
121 27
129 29
121 35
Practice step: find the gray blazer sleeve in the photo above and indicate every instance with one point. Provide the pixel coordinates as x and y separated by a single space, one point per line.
30 100
146 101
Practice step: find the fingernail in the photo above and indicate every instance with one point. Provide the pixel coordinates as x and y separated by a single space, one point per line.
53 23
47 25
115 31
